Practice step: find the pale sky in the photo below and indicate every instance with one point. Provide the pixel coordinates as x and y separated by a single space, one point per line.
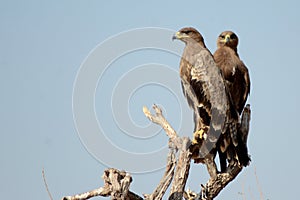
45 47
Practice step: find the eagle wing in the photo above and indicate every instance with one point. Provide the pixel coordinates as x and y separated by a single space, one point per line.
237 82
236 75
246 82
193 102
208 75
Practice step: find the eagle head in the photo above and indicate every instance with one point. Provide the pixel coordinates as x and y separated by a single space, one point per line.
188 34
229 39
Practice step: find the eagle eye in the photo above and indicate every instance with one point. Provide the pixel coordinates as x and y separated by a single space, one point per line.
233 36
186 32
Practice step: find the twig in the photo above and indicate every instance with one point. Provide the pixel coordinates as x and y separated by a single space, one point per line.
165 182
116 185
46 185
251 195
182 170
159 119
243 190
261 195
183 161
93 193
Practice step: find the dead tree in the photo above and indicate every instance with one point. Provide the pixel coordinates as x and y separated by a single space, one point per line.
117 183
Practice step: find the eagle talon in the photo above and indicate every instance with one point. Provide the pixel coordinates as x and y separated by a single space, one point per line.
199 135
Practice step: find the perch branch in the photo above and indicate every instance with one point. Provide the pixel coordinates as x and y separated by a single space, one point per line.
159 119
116 185
165 182
183 161
214 185
93 193
182 170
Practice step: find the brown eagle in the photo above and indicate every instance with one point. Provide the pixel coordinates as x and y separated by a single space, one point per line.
234 70
238 83
206 93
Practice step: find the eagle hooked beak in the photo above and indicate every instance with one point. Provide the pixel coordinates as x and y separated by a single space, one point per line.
179 35
227 38
176 36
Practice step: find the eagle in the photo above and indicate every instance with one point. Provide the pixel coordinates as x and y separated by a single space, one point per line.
237 81
234 70
206 93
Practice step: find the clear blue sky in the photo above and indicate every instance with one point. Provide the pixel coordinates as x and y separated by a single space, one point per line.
43 44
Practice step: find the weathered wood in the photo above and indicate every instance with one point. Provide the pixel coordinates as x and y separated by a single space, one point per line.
166 180
93 193
182 169
117 183
159 119
214 186
182 165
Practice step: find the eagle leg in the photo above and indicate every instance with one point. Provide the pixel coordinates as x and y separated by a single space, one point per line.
199 135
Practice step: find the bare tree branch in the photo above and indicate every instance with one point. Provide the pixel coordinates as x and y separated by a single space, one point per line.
165 182
182 170
117 183
159 119
214 186
183 161
93 193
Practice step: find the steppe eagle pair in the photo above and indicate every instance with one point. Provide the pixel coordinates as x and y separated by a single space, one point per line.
216 88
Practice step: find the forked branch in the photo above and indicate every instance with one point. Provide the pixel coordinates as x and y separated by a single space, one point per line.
117 183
